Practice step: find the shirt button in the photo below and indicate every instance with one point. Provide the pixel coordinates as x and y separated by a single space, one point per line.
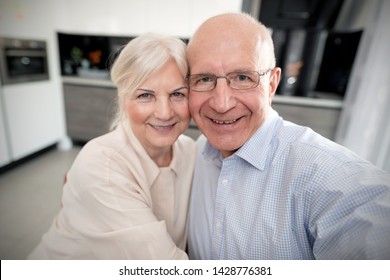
225 182
217 225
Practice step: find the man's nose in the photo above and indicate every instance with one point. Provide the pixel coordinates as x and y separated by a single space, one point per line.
222 99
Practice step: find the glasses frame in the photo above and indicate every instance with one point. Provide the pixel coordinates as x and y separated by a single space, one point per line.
227 79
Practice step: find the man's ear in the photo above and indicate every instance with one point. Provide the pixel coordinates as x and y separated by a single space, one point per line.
274 80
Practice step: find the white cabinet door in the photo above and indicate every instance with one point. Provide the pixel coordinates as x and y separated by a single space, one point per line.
4 149
33 117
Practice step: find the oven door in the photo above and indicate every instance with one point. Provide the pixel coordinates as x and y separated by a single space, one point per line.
23 63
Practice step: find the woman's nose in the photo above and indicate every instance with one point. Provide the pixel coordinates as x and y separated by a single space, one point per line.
163 109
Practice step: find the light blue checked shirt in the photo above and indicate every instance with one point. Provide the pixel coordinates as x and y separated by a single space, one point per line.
288 193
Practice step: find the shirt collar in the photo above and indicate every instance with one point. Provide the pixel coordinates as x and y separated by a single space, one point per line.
149 167
175 164
212 154
255 150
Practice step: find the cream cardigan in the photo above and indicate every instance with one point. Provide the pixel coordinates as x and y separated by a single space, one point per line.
118 204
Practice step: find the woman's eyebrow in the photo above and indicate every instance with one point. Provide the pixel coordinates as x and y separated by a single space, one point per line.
183 87
147 90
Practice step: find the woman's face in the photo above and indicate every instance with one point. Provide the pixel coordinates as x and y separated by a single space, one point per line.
158 109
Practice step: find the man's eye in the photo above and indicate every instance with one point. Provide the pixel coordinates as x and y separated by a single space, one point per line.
241 78
205 79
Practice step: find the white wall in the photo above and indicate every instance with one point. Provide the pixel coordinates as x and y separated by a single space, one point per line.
364 126
133 17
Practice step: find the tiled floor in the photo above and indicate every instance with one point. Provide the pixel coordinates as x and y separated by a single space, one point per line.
30 197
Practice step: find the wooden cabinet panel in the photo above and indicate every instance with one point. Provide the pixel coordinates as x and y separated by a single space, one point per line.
89 110
322 120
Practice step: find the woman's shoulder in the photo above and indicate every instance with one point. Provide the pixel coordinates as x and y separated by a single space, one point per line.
105 152
184 137
101 146
184 148
185 142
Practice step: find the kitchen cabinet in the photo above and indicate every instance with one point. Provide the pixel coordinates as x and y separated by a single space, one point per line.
90 105
32 118
89 110
321 115
32 111
5 157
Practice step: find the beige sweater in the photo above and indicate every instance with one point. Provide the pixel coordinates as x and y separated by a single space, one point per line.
118 204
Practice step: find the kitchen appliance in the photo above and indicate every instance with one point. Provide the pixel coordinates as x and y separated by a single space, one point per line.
31 112
23 60
299 29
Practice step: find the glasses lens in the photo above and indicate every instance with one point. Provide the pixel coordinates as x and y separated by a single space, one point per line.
202 82
244 79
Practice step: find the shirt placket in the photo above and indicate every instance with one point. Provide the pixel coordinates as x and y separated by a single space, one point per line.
224 182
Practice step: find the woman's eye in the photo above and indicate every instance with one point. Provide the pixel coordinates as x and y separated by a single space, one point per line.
144 95
177 95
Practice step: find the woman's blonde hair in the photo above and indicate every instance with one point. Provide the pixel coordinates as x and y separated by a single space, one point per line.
139 59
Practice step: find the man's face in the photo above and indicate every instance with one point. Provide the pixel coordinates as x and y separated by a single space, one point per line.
226 116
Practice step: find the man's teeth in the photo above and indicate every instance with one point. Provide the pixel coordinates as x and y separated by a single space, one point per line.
224 122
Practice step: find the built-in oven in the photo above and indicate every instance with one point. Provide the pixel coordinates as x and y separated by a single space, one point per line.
22 60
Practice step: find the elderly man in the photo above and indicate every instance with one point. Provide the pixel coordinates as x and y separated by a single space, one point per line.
265 188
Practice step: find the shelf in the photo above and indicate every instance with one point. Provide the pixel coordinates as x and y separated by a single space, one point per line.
308 101
88 82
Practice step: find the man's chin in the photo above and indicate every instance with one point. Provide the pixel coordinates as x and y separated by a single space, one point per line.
226 144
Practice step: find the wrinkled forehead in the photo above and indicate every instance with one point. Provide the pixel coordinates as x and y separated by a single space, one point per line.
222 29
233 35
222 54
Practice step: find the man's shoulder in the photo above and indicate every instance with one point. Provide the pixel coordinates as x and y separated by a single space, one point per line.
307 146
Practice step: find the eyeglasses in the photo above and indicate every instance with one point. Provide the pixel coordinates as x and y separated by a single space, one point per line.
239 80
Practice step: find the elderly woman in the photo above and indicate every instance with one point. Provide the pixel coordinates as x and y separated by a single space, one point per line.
126 195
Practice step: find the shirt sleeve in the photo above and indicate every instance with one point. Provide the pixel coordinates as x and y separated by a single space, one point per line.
350 214
110 207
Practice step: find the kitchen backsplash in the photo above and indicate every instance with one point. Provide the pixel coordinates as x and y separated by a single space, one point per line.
89 56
